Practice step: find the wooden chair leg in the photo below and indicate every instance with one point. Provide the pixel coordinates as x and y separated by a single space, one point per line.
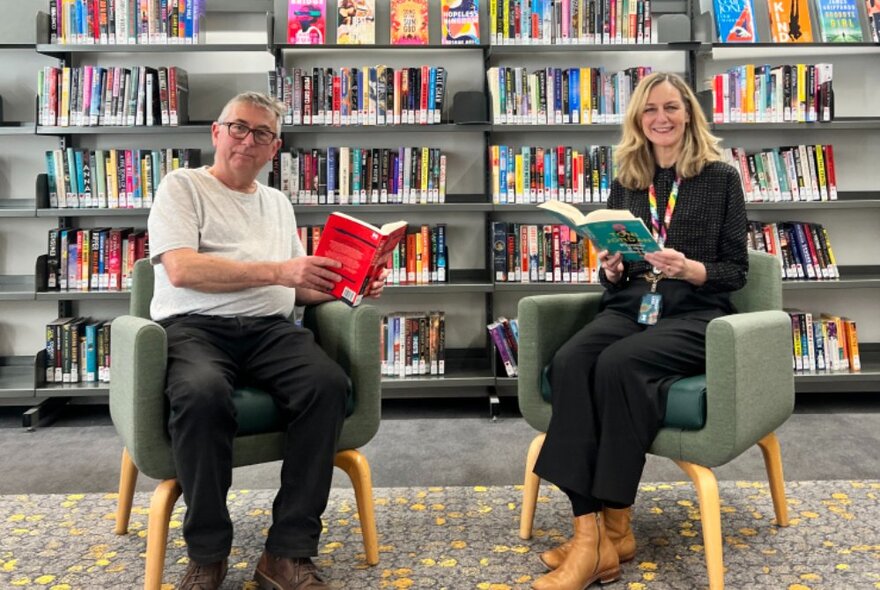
710 515
161 505
773 461
531 483
358 469
127 478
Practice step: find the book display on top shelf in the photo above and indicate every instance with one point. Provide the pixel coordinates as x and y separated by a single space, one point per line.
790 21
735 21
413 344
534 174
460 22
824 342
839 21
356 22
560 96
571 22
89 96
409 22
377 95
126 22
793 173
306 22
353 175
551 253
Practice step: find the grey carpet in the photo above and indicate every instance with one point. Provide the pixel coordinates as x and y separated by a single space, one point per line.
466 537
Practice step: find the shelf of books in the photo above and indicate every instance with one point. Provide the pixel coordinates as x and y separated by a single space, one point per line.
845 200
407 128
459 281
453 204
574 127
16 288
468 372
289 47
71 212
192 128
851 277
594 48
65 51
865 379
16 376
17 128
838 124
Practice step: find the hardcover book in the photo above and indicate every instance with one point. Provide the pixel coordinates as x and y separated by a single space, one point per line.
839 21
409 22
306 22
460 21
790 21
356 22
615 230
362 248
735 21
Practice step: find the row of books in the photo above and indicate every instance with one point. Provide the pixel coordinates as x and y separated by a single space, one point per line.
534 174
413 344
504 334
560 96
360 176
111 178
91 96
96 259
773 94
125 22
552 253
823 342
570 22
378 95
839 21
420 258
77 351
356 22
793 173
803 249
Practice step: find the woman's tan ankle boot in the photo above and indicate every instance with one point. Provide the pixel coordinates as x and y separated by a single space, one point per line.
617 523
590 558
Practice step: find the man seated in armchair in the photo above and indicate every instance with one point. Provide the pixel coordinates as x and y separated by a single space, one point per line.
229 269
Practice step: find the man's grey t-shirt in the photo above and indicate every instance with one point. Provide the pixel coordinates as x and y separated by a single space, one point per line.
192 209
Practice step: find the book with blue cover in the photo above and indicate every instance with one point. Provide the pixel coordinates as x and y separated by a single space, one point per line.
839 21
615 230
735 21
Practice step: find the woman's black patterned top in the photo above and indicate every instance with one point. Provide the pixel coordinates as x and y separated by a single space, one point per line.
708 224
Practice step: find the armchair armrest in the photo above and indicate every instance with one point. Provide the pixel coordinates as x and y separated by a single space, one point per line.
137 399
350 336
546 322
749 385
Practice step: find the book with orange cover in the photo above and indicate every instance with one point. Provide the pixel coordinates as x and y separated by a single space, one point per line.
362 248
790 21
409 22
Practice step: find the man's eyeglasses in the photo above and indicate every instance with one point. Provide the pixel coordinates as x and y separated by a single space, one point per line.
240 131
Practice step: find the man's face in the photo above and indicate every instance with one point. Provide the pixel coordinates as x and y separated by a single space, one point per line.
244 157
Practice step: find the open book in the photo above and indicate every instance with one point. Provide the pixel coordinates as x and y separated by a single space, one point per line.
615 230
363 250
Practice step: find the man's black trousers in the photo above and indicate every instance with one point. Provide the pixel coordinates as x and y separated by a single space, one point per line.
208 357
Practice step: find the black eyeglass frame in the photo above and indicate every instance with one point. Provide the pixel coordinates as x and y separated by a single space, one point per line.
255 132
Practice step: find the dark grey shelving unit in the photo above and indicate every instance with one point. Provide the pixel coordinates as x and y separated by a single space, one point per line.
16 377
92 212
838 124
845 200
17 288
194 128
17 128
571 128
501 50
851 277
17 208
60 51
433 128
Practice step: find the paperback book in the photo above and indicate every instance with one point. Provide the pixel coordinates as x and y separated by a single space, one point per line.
790 21
409 22
460 21
356 22
362 248
615 230
839 21
735 21
306 22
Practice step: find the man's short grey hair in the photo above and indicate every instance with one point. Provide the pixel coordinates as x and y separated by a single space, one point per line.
259 100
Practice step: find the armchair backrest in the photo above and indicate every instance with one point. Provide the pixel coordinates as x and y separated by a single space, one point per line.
763 290
141 289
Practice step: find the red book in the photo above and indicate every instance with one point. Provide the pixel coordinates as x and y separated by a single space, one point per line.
363 250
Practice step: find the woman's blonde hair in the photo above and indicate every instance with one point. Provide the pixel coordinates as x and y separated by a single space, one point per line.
635 158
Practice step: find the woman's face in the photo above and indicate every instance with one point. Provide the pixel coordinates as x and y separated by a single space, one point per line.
664 116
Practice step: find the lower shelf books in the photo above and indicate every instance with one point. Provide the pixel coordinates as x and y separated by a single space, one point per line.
96 259
413 344
794 173
77 351
823 342
505 338
803 249
526 253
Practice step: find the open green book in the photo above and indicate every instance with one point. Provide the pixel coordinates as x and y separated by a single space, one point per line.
615 230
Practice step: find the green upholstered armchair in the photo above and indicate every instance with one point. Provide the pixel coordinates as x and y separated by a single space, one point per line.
138 408
749 393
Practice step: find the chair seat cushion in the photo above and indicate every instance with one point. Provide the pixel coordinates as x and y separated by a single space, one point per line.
685 401
257 413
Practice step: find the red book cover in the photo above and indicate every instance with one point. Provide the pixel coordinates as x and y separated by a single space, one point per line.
363 250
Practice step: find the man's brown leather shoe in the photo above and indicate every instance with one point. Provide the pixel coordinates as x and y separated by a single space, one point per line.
203 577
285 573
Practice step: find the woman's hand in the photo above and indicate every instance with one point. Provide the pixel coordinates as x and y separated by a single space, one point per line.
676 265
613 265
